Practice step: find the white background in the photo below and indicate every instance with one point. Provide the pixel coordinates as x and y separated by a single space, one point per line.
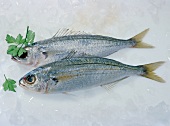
136 101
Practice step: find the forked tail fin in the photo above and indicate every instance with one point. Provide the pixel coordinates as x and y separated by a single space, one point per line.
138 39
149 68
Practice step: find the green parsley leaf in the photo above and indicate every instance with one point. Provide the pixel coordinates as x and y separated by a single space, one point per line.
5 85
21 51
17 50
23 40
19 39
12 50
30 37
12 47
9 84
10 39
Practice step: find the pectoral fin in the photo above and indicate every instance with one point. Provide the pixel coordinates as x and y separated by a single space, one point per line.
45 54
65 77
54 80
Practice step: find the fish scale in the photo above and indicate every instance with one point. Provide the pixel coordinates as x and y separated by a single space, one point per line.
82 73
68 45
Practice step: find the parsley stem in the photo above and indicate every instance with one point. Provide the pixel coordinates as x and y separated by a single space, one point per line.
26 33
25 39
5 77
25 36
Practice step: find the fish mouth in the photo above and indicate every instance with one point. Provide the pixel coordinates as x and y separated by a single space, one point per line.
22 85
13 58
18 61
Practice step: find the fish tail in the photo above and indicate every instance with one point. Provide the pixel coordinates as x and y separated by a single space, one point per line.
138 39
148 71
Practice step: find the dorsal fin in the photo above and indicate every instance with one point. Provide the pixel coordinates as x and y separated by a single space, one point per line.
65 32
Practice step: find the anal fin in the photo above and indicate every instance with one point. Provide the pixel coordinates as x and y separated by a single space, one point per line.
69 94
108 87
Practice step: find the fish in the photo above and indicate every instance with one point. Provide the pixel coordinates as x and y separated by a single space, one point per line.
68 44
83 73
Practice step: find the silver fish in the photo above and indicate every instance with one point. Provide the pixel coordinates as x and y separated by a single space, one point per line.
82 73
67 44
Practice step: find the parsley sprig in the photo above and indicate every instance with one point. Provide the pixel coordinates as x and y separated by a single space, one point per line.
9 84
16 48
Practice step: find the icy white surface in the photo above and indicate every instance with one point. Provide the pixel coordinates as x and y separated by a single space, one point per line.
135 101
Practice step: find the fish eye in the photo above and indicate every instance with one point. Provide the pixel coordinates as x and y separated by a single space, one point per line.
24 55
30 79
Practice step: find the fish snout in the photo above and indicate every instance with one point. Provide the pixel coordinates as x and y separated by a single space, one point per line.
21 82
13 58
21 61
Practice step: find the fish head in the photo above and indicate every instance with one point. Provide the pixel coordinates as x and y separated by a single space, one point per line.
33 56
26 58
37 80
